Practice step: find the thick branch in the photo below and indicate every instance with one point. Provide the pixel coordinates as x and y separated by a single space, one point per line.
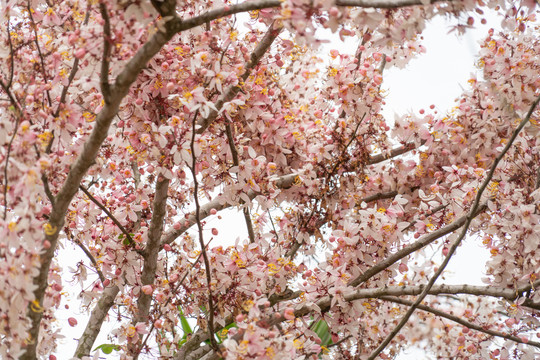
393 153
97 318
384 4
151 250
491 291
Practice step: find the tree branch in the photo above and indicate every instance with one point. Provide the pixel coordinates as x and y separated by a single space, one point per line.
97 317
384 4
470 217
210 320
152 248
460 321
409 249
376 293
109 214
107 39
151 252
234 154
393 153
231 93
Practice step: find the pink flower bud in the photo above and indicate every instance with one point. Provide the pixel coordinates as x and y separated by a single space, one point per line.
288 313
167 247
147 289
334 11
214 231
72 321
79 54
445 251
403 268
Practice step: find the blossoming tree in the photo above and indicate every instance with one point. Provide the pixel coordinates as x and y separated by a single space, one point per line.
126 126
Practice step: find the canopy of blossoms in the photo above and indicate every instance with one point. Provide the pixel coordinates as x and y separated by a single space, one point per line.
127 126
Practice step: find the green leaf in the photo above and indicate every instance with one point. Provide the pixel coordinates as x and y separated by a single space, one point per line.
186 328
107 348
322 330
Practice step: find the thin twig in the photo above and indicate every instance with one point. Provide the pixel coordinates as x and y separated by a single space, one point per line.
201 238
109 214
461 321
11 55
91 258
36 40
234 154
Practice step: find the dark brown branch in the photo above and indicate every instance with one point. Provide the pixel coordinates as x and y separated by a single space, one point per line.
109 214
470 217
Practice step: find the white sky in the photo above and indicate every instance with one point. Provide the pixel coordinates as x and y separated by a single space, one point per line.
437 77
